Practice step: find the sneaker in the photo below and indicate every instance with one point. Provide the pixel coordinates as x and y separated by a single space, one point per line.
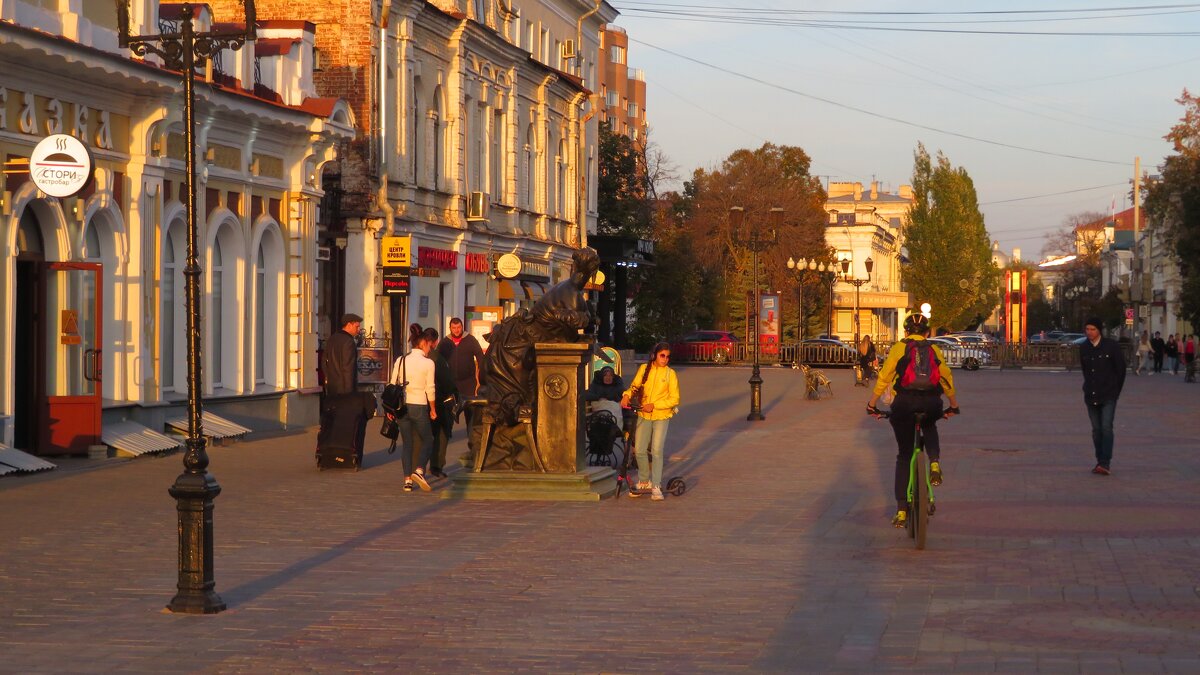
1101 470
900 519
419 479
656 494
437 473
637 490
935 473
408 486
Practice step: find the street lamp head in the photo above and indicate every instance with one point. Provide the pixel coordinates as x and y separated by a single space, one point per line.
869 263
736 215
845 266
777 217
792 264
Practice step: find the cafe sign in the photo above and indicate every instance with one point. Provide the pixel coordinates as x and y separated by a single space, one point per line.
60 165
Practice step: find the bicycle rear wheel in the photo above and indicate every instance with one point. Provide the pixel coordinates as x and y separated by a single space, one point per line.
920 519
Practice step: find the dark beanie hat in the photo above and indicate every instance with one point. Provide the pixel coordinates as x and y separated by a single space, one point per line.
1095 321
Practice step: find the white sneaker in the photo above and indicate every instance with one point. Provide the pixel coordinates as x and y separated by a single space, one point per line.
656 494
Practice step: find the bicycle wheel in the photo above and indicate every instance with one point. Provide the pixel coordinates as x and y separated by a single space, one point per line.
920 519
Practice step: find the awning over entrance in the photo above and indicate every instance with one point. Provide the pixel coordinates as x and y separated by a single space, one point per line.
505 290
533 289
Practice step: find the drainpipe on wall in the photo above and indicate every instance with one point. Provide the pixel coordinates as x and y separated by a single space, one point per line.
581 166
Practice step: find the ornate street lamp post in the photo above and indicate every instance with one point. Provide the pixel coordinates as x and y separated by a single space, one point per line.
195 488
802 267
757 242
848 277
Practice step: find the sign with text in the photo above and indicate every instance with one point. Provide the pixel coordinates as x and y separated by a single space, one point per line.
395 280
60 165
396 251
768 323
436 259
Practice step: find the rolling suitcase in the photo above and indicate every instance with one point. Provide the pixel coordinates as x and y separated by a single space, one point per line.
343 430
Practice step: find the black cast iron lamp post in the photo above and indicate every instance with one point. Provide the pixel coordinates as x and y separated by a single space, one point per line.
802 266
195 488
757 242
848 277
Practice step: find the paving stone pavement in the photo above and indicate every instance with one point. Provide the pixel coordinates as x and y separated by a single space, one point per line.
779 557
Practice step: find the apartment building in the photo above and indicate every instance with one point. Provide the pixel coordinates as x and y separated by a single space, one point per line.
622 89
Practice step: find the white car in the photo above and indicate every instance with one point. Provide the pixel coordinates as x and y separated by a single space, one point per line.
956 354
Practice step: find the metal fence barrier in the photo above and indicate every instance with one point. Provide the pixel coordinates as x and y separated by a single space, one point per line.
1002 356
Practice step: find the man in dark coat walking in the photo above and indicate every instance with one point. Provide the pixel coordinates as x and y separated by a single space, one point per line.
1160 348
340 358
465 356
1103 366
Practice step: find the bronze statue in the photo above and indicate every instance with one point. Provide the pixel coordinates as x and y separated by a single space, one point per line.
510 364
557 317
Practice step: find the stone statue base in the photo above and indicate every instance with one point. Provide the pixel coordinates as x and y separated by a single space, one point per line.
588 485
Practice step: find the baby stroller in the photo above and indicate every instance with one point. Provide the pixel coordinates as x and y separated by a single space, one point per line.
604 434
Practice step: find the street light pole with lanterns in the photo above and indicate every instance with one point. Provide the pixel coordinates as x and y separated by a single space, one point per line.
757 242
195 488
849 277
802 267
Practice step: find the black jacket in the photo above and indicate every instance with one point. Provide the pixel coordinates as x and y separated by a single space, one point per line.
1103 371
340 365
462 359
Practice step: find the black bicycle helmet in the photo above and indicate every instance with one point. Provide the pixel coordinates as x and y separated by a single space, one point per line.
916 323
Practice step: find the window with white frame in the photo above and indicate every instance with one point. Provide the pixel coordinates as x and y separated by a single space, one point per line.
617 54
497 156
170 314
530 155
633 109
612 99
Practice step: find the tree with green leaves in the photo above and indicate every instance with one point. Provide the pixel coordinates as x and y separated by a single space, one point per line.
623 205
949 251
1174 201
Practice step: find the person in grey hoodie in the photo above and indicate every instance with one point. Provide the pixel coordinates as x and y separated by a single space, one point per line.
1103 366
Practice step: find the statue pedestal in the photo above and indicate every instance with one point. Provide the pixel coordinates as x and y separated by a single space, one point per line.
589 485
562 370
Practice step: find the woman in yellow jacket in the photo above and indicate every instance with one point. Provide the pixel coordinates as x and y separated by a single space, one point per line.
659 388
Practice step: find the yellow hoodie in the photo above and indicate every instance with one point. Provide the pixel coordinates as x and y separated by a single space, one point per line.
661 390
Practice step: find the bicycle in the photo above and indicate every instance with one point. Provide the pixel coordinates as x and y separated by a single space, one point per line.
920 502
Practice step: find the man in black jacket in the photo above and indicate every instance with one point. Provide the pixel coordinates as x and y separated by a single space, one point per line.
340 358
1103 366
1159 347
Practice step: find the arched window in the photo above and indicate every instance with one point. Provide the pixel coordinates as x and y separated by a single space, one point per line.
91 245
530 154
260 324
561 199
550 171
497 156
216 320
168 309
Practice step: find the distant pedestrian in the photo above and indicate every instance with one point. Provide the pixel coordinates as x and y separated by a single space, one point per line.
1172 351
656 387
465 356
415 370
1103 366
447 395
866 360
1189 359
1159 347
1142 355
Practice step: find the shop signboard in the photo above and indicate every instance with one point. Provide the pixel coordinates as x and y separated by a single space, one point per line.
373 365
768 323
60 165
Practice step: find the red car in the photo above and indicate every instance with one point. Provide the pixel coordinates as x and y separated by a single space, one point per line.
715 346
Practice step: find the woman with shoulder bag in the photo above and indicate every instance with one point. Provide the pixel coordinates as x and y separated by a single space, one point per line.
655 392
416 370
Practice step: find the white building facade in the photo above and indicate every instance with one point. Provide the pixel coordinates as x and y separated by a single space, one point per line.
92 286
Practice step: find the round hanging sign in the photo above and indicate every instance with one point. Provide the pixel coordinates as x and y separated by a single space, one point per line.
60 165
508 265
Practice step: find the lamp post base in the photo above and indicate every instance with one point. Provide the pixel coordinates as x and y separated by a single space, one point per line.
194 494
756 414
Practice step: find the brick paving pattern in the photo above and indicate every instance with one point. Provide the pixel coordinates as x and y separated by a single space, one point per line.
780 556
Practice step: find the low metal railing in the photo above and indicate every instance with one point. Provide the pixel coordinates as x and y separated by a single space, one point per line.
825 355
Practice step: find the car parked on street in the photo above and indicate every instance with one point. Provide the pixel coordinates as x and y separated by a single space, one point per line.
713 346
962 355
827 352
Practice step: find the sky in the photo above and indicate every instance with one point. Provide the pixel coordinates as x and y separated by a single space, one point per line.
1047 126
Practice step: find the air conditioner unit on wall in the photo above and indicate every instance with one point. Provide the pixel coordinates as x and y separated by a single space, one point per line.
568 49
477 206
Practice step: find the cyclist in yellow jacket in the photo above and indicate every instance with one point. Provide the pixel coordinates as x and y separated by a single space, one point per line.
909 401
656 387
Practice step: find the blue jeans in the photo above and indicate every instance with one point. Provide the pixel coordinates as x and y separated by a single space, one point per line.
1102 415
652 436
416 450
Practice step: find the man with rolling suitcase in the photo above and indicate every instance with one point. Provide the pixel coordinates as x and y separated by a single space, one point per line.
344 411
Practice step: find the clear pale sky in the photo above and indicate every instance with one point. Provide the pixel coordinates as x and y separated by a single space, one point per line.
1096 97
